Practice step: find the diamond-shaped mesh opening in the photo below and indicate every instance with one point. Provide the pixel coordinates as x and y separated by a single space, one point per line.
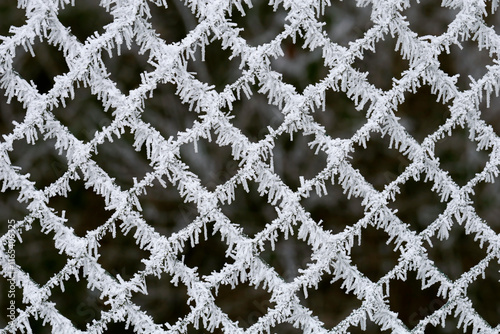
286 328
466 61
383 65
38 326
346 22
125 67
289 255
11 210
261 23
10 16
71 16
486 200
78 303
37 255
213 164
119 327
250 210
330 303
166 113
121 161
218 68
428 17
164 301
485 294
334 210
378 163
9 112
253 116
41 69
411 301
58 167
295 158
417 204
121 255
460 157
165 209
374 257
420 114
84 209
197 255
243 303
41 160
172 23
300 67
83 115
340 118
456 254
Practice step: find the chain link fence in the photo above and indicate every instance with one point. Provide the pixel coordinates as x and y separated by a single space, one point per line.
249 166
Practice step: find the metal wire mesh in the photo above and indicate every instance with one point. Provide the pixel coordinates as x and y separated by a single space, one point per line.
254 163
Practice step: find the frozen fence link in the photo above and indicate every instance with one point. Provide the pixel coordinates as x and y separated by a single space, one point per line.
260 72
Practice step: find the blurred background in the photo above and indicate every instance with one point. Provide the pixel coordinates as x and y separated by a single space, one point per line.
164 209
